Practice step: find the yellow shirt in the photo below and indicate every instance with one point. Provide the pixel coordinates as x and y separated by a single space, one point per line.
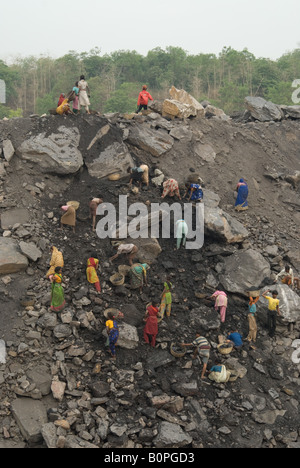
273 303
110 324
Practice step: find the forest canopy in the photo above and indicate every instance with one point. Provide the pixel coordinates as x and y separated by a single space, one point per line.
34 83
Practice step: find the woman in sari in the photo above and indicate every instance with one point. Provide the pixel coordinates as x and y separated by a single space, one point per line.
221 302
91 272
166 300
57 293
64 108
69 217
57 260
112 329
151 327
138 276
241 202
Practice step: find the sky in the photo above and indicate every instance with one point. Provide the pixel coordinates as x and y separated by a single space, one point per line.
267 28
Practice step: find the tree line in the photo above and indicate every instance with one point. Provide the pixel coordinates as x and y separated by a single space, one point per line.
34 83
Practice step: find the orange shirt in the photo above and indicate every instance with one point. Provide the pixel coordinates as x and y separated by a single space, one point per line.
144 97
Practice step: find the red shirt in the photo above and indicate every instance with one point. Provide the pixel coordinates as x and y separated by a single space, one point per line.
144 97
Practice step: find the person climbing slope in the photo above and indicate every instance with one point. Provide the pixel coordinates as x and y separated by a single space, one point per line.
143 99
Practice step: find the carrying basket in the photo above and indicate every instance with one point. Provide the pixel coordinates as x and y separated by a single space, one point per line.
114 177
117 279
175 350
74 203
224 348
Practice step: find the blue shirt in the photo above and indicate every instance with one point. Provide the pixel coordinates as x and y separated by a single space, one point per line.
197 193
236 338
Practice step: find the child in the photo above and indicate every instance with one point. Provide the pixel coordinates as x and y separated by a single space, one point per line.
273 310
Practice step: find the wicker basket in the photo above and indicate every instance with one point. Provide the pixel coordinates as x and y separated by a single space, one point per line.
176 353
224 350
75 204
117 313
114 177
117 279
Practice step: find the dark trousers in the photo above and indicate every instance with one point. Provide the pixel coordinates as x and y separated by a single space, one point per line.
141 106
272 315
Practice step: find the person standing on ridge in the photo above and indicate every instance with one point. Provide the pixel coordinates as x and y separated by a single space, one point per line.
143 99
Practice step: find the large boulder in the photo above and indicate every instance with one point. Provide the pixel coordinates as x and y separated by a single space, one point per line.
187 100
30 415
155 142
263 110
149 249
291 111
11 260
289 302
128 336
56 153
222 226
115 158
14 216
243 271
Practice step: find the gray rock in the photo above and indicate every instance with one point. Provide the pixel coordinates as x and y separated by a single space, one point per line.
47 321
11 260
172 436
267 417
160 358
14 216
8 150
30 250
30 416
113 159
57 153
244 270
41 377
291 111
263 110
49 435
62 331
155 142
222 226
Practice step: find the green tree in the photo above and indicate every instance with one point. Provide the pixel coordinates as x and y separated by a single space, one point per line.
45 103
281 94
124 99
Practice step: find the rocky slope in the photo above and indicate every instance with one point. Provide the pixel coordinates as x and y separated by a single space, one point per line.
58 386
